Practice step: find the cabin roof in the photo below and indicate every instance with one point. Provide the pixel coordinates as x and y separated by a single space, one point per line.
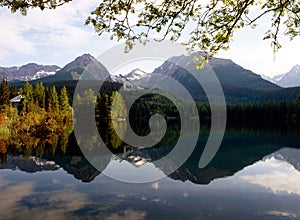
17 98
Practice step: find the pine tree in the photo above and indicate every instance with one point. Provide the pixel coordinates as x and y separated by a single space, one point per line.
117 106
4 93
39 95
65 108
14 91
53 100
27 93
77 101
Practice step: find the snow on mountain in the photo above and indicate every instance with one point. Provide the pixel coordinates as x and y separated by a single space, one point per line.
115 78
289 79
30 71
136 74
278 77
43 73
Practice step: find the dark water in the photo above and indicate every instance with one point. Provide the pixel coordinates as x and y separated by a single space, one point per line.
255 175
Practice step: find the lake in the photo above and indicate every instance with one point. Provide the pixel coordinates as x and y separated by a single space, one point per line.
255 175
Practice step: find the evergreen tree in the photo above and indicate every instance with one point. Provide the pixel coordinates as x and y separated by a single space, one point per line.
39 95
118 107
88 97
47 98
27 93
4 93
65 108
14 91
53 100
77 101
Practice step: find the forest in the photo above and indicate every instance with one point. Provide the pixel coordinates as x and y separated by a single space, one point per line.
41 110
47 110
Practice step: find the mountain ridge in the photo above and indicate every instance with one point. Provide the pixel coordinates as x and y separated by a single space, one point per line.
73 70
28 72
286 80
239 84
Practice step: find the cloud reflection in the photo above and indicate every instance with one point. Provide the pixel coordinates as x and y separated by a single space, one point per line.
25 201
275 175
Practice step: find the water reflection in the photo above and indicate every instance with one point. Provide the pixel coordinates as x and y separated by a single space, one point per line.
255 175
278 172
238 150
241 196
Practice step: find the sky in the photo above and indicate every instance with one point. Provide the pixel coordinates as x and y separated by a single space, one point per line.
59 36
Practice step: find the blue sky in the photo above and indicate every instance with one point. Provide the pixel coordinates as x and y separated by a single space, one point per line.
58 36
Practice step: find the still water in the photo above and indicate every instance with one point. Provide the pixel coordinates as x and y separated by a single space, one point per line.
255 175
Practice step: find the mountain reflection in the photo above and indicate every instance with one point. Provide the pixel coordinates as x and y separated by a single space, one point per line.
240 148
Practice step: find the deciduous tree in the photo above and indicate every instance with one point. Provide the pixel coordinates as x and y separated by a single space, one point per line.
211 23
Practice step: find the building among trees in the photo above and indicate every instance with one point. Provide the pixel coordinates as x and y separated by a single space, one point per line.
16 101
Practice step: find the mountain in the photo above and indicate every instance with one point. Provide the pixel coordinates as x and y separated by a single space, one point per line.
289 79
228 72
3 73
239 84
135 75
73 70
30 71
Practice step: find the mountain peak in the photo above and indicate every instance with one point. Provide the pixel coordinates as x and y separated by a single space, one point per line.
85 56
80 62
296 68
85 62
136 74
289 79
137 69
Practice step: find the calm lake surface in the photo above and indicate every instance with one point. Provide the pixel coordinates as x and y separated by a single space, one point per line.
255 175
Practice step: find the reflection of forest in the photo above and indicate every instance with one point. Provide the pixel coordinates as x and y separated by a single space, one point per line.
240 148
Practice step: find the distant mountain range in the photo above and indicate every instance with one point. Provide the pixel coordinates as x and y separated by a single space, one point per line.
289 79
239 85
28 72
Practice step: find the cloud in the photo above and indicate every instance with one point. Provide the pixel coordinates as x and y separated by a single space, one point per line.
61 30
12 39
